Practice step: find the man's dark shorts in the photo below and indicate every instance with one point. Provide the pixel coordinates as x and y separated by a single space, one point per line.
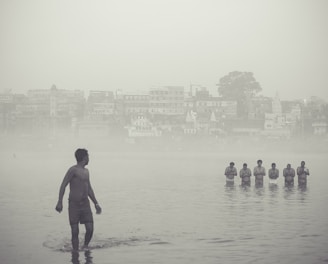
80 212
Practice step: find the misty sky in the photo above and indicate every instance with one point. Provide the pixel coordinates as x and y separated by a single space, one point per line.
134 45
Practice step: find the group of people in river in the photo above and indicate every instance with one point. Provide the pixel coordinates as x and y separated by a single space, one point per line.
259 172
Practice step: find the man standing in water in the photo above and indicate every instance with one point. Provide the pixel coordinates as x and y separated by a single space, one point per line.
289 174
273 174
79 206
302 173
230 173
245 175
259 172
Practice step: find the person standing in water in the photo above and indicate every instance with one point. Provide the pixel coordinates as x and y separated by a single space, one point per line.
259 173
79 209
245 175
273 174
230 173
289 174
302 173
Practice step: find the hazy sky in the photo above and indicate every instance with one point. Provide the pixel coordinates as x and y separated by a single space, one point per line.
134 45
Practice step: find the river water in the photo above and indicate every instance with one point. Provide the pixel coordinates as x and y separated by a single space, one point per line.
164 208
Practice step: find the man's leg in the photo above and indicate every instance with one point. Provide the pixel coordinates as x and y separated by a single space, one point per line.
75 236
88 233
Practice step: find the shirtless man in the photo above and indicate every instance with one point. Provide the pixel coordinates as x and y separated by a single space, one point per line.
245 175
289 174
259 172
79 206
302 173
273 173
230 173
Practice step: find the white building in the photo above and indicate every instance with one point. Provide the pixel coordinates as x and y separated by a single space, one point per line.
167 100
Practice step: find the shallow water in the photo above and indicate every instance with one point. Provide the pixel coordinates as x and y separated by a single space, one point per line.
164 208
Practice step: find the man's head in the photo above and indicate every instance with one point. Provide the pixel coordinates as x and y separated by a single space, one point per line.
232 164
245 165
259 162
273 165
82 155
288 166
303 163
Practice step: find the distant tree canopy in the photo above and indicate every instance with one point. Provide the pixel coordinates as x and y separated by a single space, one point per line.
241 87
238 85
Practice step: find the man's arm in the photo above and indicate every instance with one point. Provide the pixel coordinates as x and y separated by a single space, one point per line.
65 182
93 198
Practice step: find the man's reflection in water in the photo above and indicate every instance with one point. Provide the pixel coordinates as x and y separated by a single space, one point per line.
274 188
302 188
230 187
289 190
302 193
76 257
245 187
259 190
88 257
230 191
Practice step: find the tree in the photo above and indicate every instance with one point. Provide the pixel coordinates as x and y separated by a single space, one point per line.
241 87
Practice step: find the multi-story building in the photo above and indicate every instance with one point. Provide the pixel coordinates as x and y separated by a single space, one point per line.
70 102
167 100
205 104
222 108
276 123
38 103
6 111
100 104
275 119
55 102
189 103
210 112
258 106
45 108
136 104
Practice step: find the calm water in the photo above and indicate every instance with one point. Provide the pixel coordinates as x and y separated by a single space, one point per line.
164 208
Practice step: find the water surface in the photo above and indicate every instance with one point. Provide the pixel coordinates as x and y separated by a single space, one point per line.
164 208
